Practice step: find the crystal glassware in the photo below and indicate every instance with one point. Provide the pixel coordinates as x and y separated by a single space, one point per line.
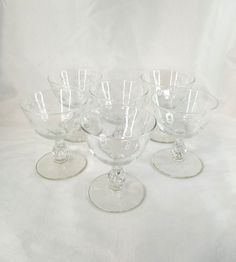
113 95
52 117
78 81
117 143
116 135
181 112
160 79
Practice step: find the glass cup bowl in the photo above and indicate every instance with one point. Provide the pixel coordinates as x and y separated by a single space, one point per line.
78 81
114 95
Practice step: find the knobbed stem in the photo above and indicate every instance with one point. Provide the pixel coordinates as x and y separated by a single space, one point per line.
116 178
179 149
60 151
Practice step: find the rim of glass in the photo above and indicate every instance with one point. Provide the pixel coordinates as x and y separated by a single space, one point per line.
187 74
213 98
29 98
127 138
117 101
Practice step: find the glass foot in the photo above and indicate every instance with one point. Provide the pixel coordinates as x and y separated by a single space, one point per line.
48 168
189 167
76 136
129 197
158 136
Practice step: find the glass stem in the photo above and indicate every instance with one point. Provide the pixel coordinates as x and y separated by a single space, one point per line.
60 151
116 178
179 149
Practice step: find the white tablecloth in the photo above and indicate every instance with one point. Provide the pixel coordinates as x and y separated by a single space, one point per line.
53 221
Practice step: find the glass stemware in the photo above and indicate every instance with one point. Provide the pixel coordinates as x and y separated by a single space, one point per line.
117 143
118 130
78 81
181 112
53 117
112 97
160 79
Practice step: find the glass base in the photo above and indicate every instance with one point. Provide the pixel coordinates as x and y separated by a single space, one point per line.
48 168
158 136
129 197
76 136
189 167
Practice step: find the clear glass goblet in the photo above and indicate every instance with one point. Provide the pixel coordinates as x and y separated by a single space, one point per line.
117 144
53 118
78 81
181 113
113 95
160 79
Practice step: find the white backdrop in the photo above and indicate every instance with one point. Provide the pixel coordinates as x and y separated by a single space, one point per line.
192 35
192 220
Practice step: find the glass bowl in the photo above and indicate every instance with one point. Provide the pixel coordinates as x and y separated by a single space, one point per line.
78 81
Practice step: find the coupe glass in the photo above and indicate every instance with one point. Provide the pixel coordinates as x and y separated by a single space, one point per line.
117 143
160 79
53 117
78 81
112 97
181 112
117 136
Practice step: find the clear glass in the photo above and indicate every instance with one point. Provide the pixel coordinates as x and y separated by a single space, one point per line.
53 117
181 113
118 130
78 81
112 97
160 79
117 144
